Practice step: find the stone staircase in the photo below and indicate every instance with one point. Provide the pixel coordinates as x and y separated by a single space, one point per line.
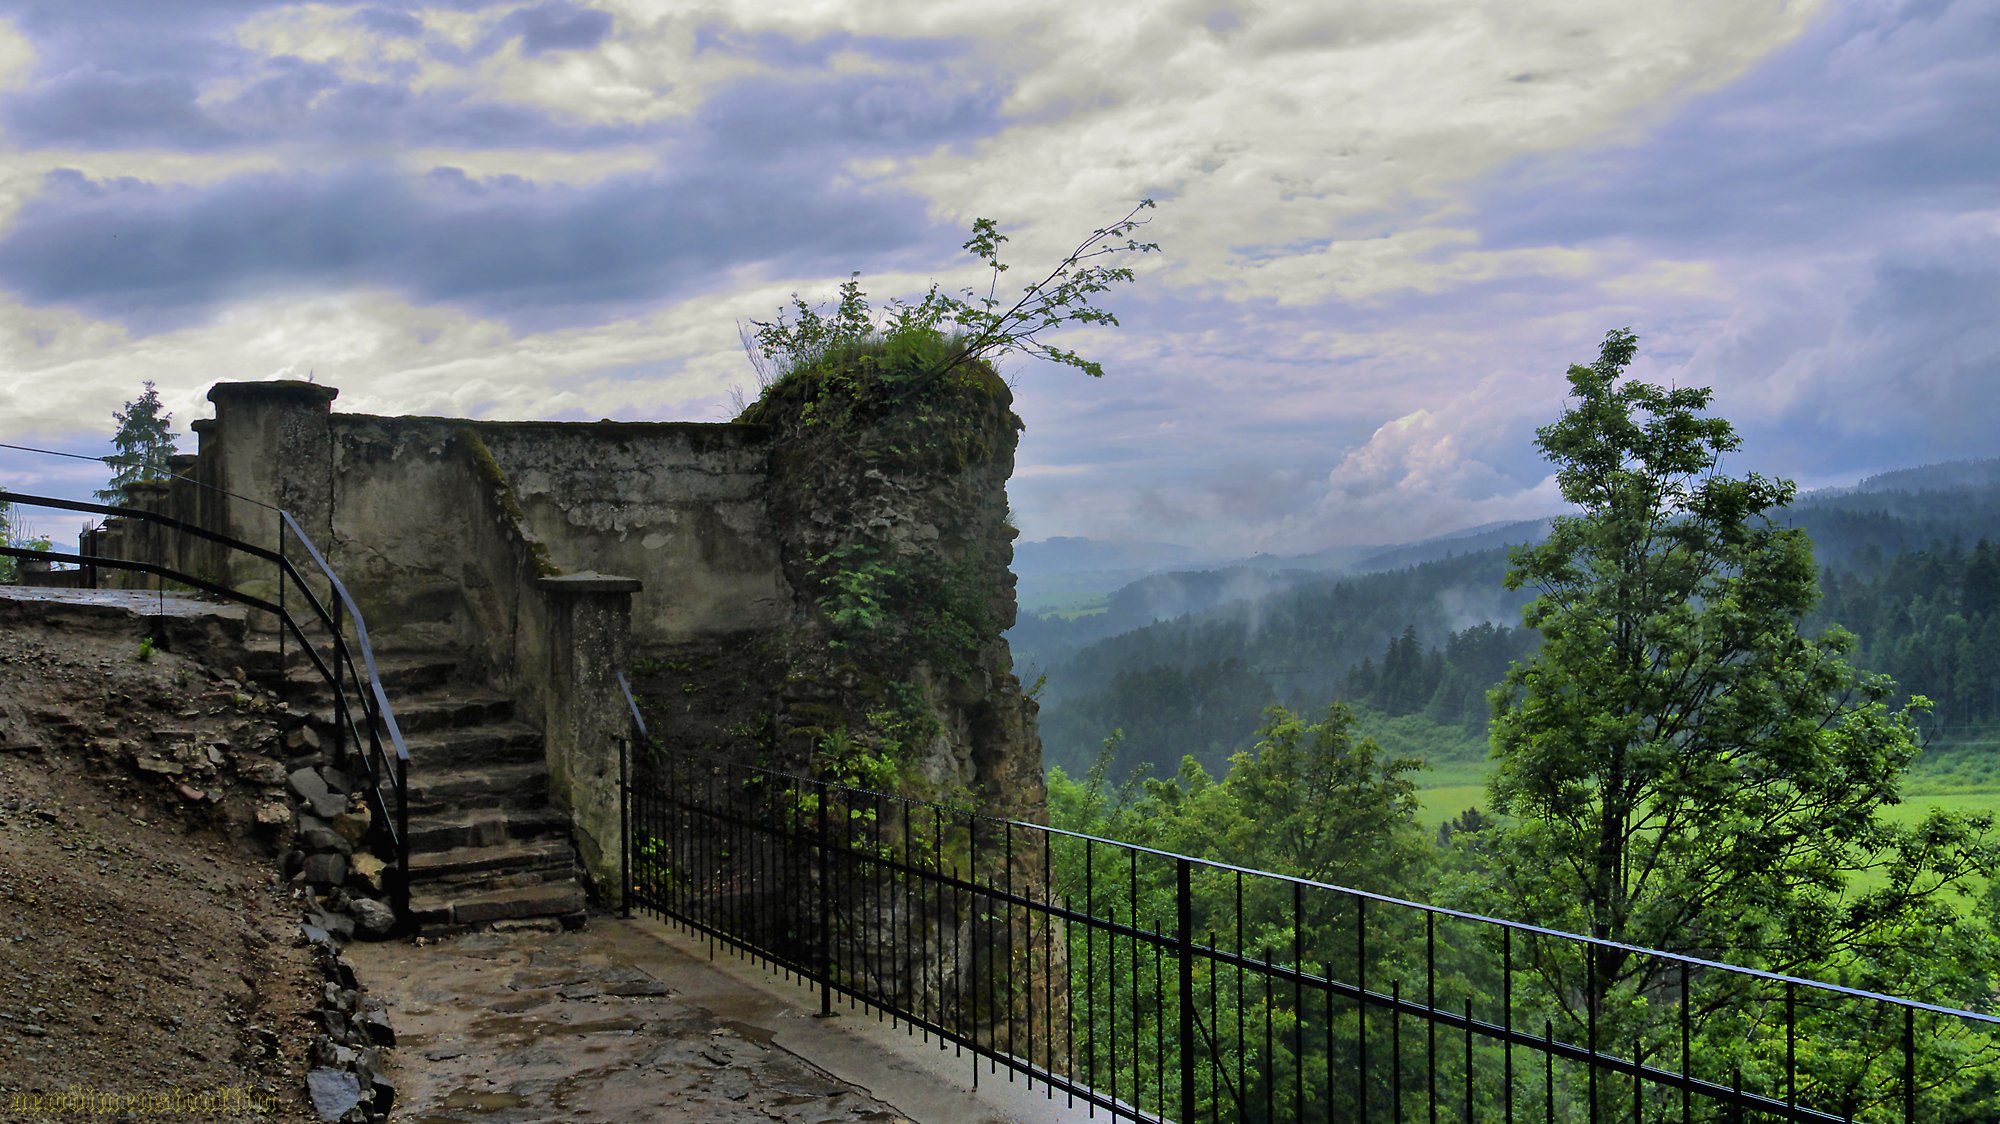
485 843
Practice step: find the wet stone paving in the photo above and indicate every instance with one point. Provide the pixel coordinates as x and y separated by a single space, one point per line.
533 1025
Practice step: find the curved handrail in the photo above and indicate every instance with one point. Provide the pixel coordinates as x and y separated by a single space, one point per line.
375 706
394 731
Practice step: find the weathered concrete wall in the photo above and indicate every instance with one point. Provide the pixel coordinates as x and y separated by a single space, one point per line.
586 719
399 503
679 506
414 535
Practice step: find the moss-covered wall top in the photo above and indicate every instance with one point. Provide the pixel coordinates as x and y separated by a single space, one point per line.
889 500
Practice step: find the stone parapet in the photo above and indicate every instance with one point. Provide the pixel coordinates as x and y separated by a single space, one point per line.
586 722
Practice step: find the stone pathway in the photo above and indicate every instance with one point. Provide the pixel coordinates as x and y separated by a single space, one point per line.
533 1025
138 602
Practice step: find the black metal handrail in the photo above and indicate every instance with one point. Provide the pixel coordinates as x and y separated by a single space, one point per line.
1185 988
385 757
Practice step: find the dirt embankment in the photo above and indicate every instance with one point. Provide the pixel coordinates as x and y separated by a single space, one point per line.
149 956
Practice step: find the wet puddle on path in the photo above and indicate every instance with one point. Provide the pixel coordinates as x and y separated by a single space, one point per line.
530 1025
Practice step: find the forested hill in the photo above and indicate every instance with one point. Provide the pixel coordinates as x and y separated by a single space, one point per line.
1904 571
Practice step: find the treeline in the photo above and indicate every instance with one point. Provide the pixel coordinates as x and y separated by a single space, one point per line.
1197 685
1447 683
1929 619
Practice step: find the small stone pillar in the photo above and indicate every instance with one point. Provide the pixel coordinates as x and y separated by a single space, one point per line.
588 723
184 552
145 540
273 444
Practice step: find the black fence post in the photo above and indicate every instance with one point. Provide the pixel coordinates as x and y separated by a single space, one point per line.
825 913
1184 939
625 822
283 616
340 708
403 834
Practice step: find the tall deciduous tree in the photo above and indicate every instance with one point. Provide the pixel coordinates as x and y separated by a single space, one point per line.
144 442
1679 766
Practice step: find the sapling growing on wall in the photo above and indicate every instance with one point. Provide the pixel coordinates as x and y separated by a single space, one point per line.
924 341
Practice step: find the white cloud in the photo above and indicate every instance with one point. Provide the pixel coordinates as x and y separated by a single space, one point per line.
384 354
1273 135
17 57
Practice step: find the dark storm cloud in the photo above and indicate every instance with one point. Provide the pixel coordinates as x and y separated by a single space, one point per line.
539 255
853 114
291 101
385 21
131 75
99 109
1871 115
751 179
555 26
1905 372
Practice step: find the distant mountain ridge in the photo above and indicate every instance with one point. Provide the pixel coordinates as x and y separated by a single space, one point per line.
1944 476
1219 643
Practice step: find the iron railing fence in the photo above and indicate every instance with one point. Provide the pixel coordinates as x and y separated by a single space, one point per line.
362 715
1159 986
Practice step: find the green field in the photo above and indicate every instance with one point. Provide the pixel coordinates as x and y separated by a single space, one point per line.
1068 606
1451 787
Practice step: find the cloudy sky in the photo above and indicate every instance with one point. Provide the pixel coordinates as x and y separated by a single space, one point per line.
1388 225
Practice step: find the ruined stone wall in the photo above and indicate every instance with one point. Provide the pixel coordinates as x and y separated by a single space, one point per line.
892 524
812 595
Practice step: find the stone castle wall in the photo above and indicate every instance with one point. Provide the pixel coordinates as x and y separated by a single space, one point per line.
444 530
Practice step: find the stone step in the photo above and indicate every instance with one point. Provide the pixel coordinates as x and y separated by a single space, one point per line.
501 864
444 909
400 671
487 827
410 673
498 743
500 786
449 709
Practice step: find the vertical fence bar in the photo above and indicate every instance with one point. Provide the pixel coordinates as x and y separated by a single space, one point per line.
1430 1018
1007 923
1361 1001
1791 1046
1549 1070
1184 941
1687 1058
625 824
825 910
1590 1003
1507 1021
1298 1001
1138 1062
339 684
1909 1065
972 876
283 616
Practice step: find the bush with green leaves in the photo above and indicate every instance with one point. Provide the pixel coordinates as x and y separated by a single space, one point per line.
1681 766
921 342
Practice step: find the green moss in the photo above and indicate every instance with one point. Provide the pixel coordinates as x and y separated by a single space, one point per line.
489 472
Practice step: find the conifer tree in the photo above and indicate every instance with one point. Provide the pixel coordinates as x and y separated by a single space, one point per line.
144 442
